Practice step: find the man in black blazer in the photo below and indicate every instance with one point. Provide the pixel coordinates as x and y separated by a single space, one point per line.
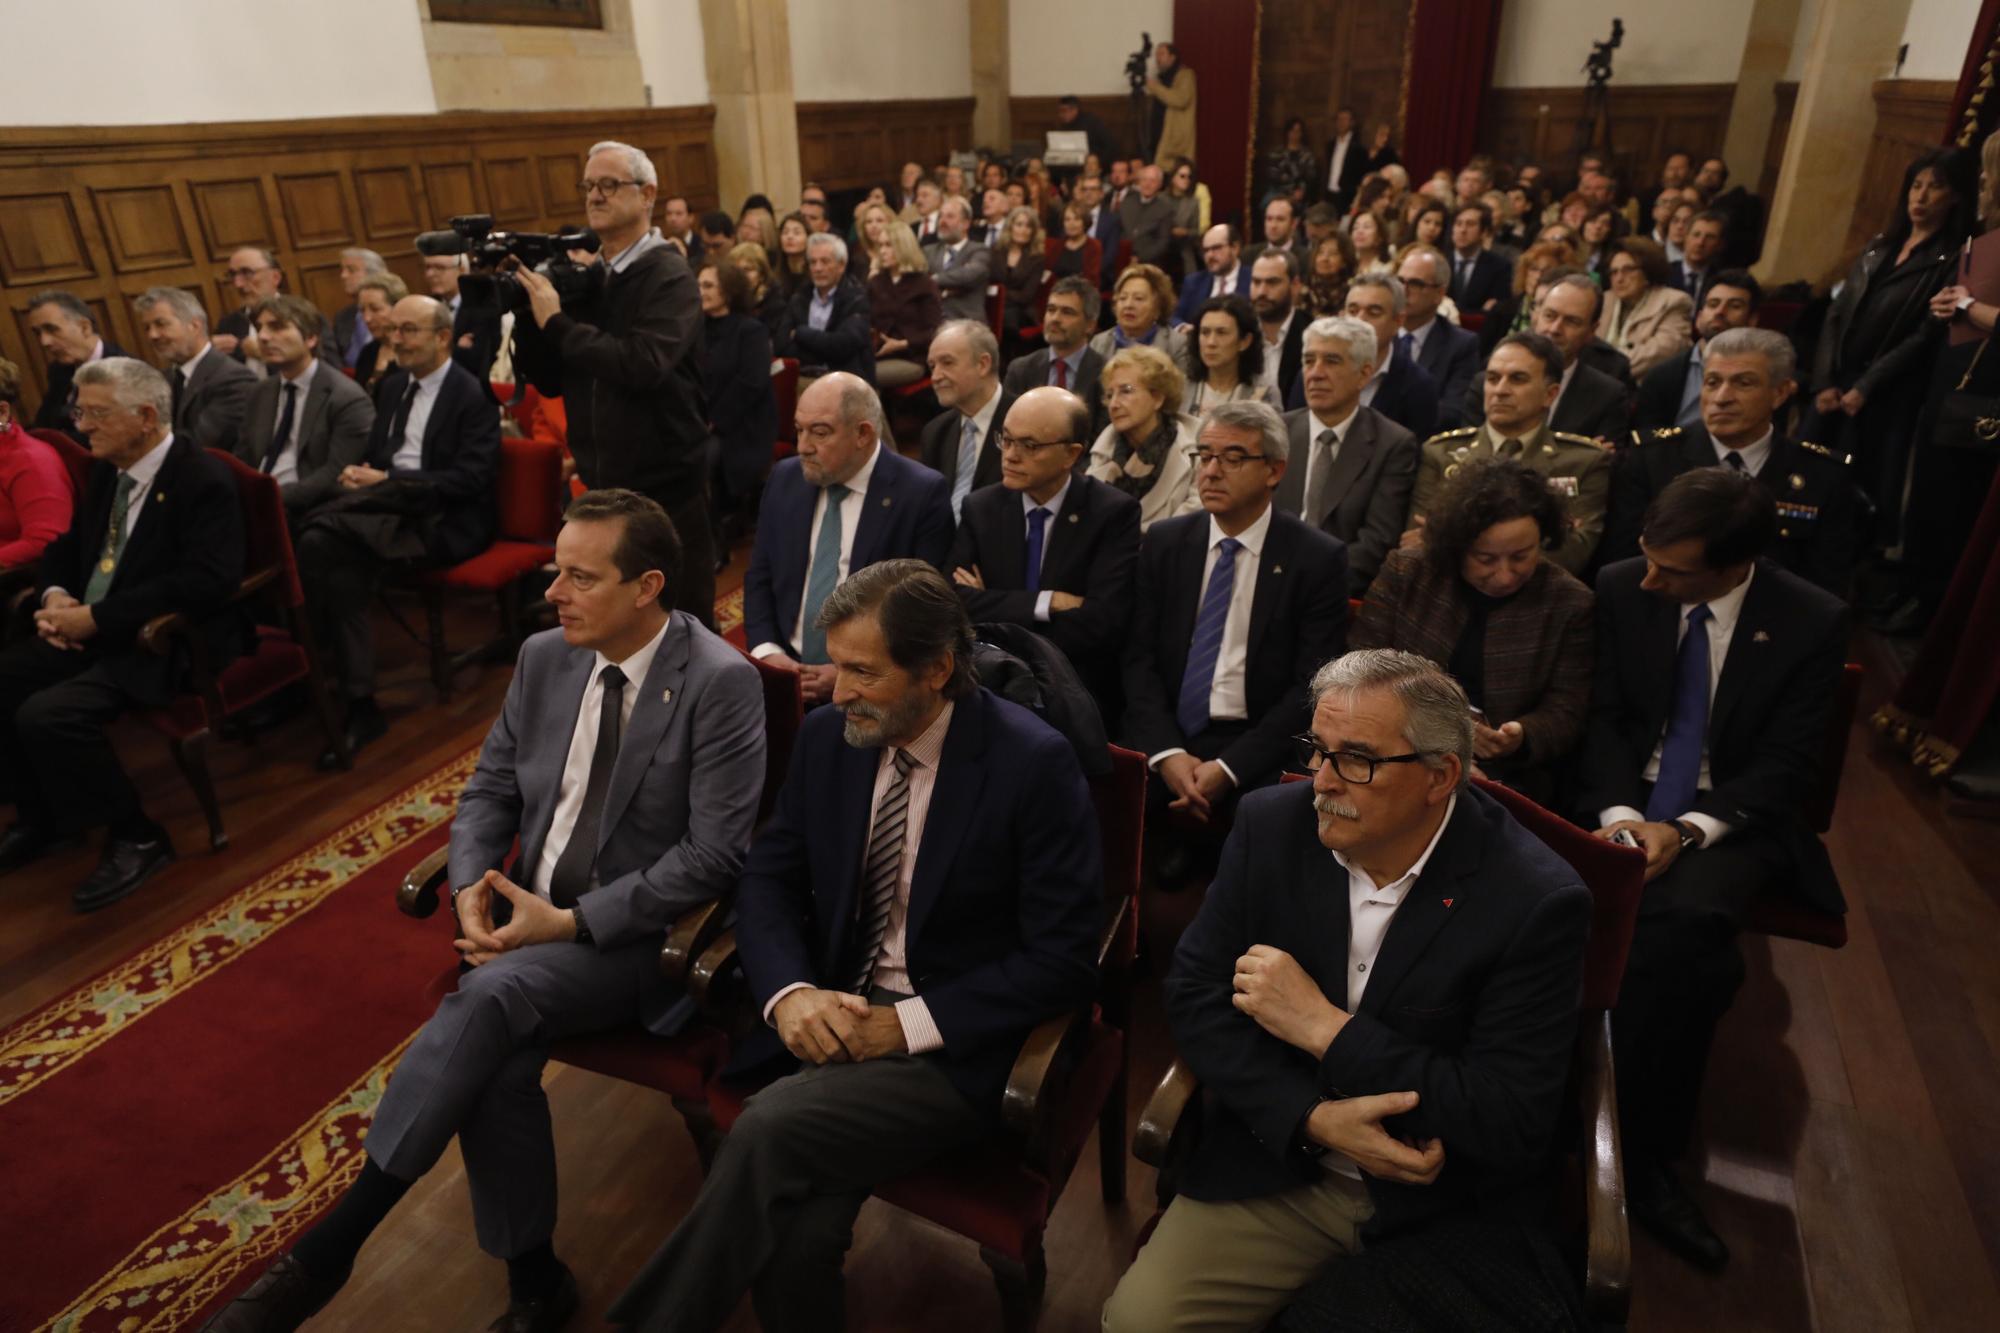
1050 548
1670 395
928 889
210 390
1400 389
1480 279
67 333
826 324
1346 161
1100 219
158 530
1355 485
424 499
1590 402
305 422
1068 362
1274 294
1383 1035
1715 683
1236 608
962 443
1448 353
842 503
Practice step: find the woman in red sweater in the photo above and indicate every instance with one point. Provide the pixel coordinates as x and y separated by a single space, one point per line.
35 499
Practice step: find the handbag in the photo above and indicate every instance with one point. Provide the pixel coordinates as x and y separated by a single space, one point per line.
1968 420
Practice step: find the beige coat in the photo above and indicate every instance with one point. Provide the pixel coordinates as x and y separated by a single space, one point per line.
1174 493
1660 324
1177 134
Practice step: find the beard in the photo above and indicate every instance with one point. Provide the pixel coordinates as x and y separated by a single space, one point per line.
869 726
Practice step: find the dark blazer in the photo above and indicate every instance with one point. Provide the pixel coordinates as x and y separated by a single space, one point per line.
344 321
1198 286
1358 164
1491 279
1767 724
736 381
1298 619
185 555
1032 372
335 423
908 308
1471 1004
1092 550
846 343
939 446
1373 475
1408 396
1659 400
1108 232
1696 285
1607 360
1005 899
1451 356
475 342
461 462
53 413
1597 403
907 512
1823 519
213 401
1291 354
1901 299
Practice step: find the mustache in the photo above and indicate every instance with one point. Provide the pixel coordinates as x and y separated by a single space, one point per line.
1329 805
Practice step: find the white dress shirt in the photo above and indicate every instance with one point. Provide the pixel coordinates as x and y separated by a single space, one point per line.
286 469
851 506
1418 336
583 748
1341 147
1723 614
1054 505
892 965
187 366
1754 455
142 474
410 457
1227 698
1274 351
1318 426
1226 284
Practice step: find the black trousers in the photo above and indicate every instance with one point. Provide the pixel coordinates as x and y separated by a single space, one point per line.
694 591
54 707
341 574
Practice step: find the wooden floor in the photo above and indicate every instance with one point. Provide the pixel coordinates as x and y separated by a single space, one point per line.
1852 1116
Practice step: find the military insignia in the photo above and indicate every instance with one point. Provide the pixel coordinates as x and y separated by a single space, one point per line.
159 497
1798 482
1563 486
1760 637
1549 449
107 565
1825 452
1789 509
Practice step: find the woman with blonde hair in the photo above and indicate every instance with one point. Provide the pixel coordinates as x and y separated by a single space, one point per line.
904 307
767 299
760 226
871 228
374 298
1142 302
1143 452
1019 262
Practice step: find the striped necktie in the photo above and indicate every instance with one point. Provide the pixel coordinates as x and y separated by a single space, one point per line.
882 873
1198 680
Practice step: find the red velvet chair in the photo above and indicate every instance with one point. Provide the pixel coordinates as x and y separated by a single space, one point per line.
76 458
1170 1123
282 654
530 494
785 388
681 1065
1788 917
1069 1079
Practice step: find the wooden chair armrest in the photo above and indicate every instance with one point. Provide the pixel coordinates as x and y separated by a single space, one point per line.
157 635
690 937
420 890
708 977
1040 1077
1160 1121
1608 1262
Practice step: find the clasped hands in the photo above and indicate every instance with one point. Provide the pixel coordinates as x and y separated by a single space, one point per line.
536 920
63 622
1273 989
815 682
1197 784
357 475
829 1027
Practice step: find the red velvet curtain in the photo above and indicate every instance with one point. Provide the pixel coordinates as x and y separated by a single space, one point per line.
1972 120
1217 39
1447 65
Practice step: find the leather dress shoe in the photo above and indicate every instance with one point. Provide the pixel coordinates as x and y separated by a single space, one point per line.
24 844
543 1316
363 726
124 866
1662 1204
285 1297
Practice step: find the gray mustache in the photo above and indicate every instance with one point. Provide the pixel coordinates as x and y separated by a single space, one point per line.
1328 805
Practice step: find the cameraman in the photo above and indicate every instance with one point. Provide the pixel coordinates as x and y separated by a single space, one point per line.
1172 90
620 359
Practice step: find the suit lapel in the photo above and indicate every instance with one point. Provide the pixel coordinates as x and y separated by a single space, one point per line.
1185 589
954 804
543 770
877 510
1291 493
1427 905
312 414
441 408
1329 921
1746 647
1269 591
659 696
1348 464
1064 541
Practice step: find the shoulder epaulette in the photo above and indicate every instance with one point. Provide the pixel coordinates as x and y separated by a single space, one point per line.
1825 452
1654 433
1585 440
1458 434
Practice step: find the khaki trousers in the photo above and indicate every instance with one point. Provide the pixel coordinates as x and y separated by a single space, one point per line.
1227 1267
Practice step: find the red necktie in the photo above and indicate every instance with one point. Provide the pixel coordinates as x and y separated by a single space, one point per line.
1062 373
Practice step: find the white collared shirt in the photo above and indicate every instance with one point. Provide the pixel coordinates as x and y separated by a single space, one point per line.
410 457
286 469
1317 426
1754 455
1226 284
1227 697
1723 613
187 366
851 506
1054 505
1419 335
1339 160
142 474
583 748
1274 351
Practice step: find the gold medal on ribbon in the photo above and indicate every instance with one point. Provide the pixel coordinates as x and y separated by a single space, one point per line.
107 564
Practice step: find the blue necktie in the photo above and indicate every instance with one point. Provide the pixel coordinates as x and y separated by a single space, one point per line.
1038 523
1406 344
1687 725
968 463
1199 678
824 578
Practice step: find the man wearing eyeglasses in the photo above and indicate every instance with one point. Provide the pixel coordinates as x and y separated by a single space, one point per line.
1449 353
1049 548
254 273
1236 608
619 357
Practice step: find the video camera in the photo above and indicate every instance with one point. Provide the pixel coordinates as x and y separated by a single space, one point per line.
1136 71
490 289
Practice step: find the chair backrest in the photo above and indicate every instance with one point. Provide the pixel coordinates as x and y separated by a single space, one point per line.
1471 320
267 540
1120 798
785 389
76 459
784 711
996 310
529 489
1826 790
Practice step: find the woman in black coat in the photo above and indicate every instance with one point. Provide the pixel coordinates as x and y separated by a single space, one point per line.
742 414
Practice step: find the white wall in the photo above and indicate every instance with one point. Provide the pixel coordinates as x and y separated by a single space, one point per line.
1088 58
1937 33
668 36
160 63
881 51
1543 43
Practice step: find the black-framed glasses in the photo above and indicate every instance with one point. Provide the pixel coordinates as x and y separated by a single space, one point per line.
1021 444
606 187
1231 459
1352 765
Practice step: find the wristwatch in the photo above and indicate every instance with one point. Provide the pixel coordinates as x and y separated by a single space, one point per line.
1691 834
1964 304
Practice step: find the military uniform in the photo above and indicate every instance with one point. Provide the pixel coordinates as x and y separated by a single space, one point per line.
1823 519
1577 467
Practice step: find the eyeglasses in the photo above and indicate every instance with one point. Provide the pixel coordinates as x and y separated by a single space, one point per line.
244 272
1021 445
1352 765
1230 459
83 416
606 187
1420 284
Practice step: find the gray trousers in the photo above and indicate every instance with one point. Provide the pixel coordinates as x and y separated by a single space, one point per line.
776 1215
475 1070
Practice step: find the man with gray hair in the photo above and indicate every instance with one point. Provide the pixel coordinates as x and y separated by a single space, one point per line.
66 331
620 355
1448 353
827 321
1353 468
211 392
350 333
960 266
962 443
128 558
1235 609
1747 376
1379 996
1400 389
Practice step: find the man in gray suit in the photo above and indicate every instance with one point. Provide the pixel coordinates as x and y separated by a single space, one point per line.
305 421
210 392
628 759
1359 466
961 267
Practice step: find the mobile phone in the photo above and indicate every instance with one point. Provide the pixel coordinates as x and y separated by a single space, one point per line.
1623 837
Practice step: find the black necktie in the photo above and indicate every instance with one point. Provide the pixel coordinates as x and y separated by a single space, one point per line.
400 422
276 448
180 387
579 855
1734 460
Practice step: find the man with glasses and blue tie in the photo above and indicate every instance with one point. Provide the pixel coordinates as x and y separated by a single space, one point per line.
1717 671
842 503
1237 606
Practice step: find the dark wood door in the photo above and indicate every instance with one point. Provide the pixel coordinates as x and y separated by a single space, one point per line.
1317 57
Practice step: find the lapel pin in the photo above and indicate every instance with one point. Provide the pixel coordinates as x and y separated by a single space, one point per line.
1074 517
1798 482
1449 901
159 496
1277 569
1760 637
885 502
666 696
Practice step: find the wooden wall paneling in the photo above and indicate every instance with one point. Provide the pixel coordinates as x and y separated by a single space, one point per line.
693 171
390 208
849 145
41 240
560 173
1786 96
320 284
510 190
1033 117
1911 116
1648 121
1315 58
315 209
450 190
142 226
232 213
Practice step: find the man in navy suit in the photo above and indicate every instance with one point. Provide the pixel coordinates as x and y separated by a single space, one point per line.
1400 389
841 504
1479 278
1379 997
1449 354
928 889
423 499
1222 272
1100 219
